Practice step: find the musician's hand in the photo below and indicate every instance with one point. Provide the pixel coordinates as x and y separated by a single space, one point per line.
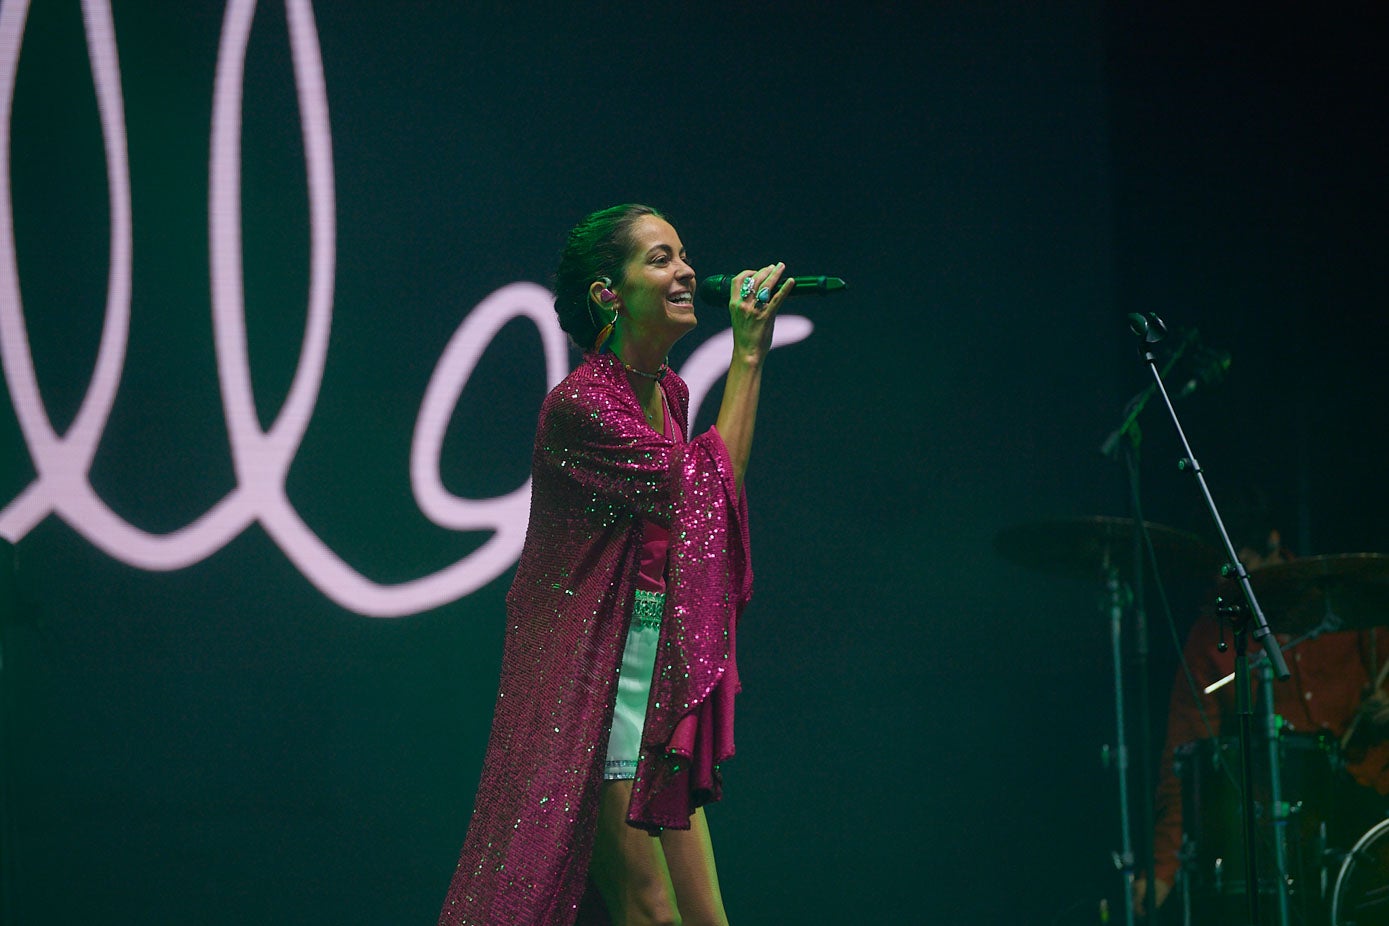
1374 713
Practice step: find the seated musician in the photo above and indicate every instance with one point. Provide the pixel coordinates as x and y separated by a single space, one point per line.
1335 690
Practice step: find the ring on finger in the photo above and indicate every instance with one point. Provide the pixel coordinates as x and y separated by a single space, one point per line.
764 295
745 289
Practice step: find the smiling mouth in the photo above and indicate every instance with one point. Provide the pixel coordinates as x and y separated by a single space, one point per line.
681 299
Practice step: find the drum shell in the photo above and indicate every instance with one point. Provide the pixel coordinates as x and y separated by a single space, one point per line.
1311 778
1360 896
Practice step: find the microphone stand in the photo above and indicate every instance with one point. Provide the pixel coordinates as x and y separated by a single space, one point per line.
1129 426
1279 809
1110 448
1152 330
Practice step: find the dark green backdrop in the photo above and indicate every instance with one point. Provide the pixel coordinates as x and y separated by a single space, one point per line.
922 721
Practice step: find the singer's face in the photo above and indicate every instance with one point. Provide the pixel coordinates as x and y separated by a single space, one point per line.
657 291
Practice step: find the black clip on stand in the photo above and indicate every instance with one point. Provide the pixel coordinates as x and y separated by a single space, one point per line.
1152 330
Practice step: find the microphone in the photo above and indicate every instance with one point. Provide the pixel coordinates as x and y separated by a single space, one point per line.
1147 326
715 289
1211 369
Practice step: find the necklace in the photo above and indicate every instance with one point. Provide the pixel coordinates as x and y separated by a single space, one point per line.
657 376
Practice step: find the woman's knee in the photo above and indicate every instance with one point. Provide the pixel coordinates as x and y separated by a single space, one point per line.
649 901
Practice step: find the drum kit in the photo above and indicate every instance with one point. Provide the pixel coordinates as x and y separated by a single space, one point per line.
1317 863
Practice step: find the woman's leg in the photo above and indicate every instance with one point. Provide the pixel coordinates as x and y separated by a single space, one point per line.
689 856
629 867
641 879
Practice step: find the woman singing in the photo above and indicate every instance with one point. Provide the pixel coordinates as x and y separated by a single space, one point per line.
618 673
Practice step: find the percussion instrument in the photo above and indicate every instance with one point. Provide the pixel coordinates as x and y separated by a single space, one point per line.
1360 895
1212 826
1086 548
1345 591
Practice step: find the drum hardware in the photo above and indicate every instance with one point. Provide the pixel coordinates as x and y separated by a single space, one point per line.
1323 850
1348 590
1330 624
1240 618
1316 595
1355 721
1361 893
1212 873
1101 549
1281 862
1341 592
1250 621
1086 548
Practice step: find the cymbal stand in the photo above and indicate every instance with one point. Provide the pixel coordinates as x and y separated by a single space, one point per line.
1142 541
1114 590
1152 330
1278 810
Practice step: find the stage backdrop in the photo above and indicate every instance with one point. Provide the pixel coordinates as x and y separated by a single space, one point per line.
275 326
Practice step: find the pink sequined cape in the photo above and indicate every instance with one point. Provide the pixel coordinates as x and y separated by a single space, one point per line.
598 471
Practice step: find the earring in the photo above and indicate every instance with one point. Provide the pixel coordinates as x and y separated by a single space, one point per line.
605 296
603 334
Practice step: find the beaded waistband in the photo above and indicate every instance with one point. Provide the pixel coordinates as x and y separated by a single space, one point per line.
647 608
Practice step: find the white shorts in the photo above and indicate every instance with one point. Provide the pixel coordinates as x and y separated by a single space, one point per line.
634 686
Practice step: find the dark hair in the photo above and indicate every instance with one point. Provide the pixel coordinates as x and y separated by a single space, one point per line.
1249 516
1248 513
597 247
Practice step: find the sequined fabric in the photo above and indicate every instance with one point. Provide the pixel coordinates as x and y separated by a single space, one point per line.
598 471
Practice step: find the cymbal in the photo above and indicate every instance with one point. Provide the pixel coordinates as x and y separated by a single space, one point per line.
1296 596
1327 569
1088 547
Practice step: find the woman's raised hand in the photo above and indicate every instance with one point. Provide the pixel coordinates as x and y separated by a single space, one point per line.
753 301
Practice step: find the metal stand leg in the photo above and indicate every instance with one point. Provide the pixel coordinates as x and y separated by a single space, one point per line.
1116 623
1278 808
